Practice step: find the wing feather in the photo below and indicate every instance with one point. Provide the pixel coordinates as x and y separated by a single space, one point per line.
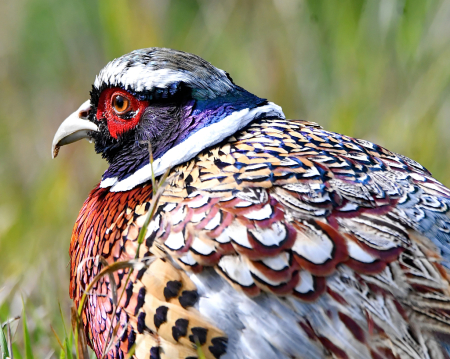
338 241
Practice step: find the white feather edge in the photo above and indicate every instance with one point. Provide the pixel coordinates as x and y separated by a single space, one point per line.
204 138
140 77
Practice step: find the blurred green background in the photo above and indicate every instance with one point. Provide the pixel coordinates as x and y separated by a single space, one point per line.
378 70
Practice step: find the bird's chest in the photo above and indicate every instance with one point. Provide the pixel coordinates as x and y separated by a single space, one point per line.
106 231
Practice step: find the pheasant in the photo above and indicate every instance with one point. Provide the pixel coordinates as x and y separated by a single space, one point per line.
270 238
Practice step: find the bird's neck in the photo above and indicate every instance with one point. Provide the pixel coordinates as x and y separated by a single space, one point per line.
209 126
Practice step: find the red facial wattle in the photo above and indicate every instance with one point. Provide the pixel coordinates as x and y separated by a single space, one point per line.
120 122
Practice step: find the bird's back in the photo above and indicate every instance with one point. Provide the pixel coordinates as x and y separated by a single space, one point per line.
282 241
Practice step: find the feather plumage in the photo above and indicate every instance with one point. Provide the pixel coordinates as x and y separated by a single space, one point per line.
284 241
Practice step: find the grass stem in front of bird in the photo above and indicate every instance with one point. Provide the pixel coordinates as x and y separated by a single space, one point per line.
150 152
200 353
6 340
57 338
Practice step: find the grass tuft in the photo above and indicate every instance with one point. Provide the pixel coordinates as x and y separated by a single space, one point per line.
3 344
26 335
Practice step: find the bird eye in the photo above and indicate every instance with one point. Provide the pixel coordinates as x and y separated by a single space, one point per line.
120 104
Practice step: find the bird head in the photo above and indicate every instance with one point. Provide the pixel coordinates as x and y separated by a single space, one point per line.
173 102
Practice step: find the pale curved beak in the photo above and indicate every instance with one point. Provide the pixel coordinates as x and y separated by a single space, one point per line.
74 128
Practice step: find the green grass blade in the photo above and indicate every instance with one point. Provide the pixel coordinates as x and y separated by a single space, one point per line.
26 336
199 349
15 352
68 342
12 347
62 354
62 318
3 343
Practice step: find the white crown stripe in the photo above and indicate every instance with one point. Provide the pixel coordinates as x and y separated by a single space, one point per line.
144 76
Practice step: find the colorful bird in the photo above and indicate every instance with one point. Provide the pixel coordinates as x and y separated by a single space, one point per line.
270 238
